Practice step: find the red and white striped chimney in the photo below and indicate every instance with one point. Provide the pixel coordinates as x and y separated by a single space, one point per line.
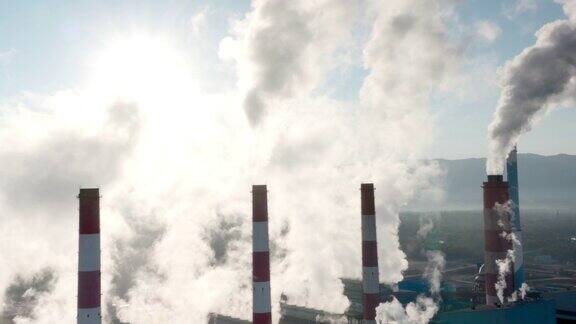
89 258
496 246
370 275
262 309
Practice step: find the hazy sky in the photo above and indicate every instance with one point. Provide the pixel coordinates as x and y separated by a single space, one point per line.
46 46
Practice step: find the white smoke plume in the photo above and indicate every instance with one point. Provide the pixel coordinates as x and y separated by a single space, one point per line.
505 222
541 76
504 268
436 259
426 225
131 255
175 167
434 270
45 159
22 297
505 213
419 312
424 309
524 289
283 47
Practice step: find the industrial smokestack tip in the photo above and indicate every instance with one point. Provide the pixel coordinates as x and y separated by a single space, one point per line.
367 199
89 193
259 189
495 178
259 203
367 186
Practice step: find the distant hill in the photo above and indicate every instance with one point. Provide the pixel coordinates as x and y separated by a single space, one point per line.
545 182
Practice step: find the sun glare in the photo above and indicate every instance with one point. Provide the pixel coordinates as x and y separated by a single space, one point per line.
141 69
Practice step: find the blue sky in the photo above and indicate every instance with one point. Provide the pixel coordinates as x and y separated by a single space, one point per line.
46 46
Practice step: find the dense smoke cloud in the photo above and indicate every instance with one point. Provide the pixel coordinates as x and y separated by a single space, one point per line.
408 55
43 165
420 311
426 306
283 47
131 255
176 168
23 295
49 170
542 75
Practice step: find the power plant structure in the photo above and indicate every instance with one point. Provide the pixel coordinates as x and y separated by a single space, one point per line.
370 273
496 303
89 311
261 304
497 241
514 195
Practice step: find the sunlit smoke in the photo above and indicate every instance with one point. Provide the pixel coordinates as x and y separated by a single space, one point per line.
175 166
283 48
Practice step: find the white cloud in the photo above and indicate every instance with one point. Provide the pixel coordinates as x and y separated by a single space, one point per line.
488 30
199 20
569 7
520 7
7 56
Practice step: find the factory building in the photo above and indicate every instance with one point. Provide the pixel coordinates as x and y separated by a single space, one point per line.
535 312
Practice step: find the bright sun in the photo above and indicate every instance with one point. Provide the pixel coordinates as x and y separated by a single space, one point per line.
142 69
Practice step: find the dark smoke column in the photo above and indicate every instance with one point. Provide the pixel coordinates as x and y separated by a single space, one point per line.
89 258
370 275
496 223
262 309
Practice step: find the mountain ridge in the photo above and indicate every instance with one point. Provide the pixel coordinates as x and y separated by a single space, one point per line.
545 182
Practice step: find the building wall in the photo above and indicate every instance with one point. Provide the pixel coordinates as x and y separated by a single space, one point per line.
536 312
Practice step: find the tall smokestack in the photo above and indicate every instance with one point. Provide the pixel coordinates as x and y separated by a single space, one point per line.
496 246
370 275
262 309
89 258
512 171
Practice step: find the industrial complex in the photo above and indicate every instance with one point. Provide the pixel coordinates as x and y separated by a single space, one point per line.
501 290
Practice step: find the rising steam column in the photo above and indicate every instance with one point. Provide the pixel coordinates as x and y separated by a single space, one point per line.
512 170
496 245
262 310
89 258
370 275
